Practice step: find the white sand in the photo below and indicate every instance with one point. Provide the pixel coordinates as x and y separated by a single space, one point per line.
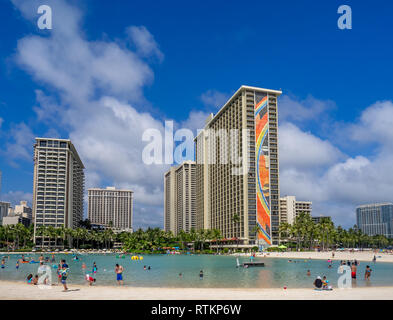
338 255
21 291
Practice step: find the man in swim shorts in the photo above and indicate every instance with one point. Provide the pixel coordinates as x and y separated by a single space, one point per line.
119 274
353 271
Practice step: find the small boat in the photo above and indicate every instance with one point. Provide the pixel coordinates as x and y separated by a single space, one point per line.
253 264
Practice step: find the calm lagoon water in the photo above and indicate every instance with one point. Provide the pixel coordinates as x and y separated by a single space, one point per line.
219 271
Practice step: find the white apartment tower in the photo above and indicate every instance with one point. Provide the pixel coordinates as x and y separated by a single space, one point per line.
290 208
58 185
179 198
111 207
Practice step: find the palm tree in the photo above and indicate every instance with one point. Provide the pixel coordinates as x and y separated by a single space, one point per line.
236 222
41 232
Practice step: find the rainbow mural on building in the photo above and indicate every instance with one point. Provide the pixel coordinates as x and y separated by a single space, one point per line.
262 165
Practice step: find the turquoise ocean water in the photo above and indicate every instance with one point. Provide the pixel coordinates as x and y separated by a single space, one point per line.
219 271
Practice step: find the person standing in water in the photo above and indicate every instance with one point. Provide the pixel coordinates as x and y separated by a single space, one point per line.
119 274
353 271
64 274
2 263
367 273
94 268
201 274
308 273
17 264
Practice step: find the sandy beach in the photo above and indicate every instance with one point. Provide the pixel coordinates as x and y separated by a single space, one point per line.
338 255
21 291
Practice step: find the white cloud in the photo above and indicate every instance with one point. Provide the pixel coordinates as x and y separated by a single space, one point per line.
96 85
20 143
301 149
293 109
375 125
144 41
14 197
196 120
316 170
214 98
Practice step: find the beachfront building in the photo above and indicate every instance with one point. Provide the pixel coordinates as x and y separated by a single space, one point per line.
319 219
4 206
375 219
21 209
111 207
290 208
58 185
16 219
179 198
238 169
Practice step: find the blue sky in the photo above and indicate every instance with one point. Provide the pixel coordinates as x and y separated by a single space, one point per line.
193 56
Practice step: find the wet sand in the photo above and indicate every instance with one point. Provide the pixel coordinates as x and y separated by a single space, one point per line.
20 291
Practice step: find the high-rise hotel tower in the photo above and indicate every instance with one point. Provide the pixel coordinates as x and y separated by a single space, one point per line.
58 184
238 169
179 198
111 207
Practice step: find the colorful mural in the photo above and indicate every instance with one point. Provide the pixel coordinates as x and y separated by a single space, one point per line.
262 166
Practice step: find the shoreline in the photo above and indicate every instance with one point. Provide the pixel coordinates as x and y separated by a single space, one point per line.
364 256
21 291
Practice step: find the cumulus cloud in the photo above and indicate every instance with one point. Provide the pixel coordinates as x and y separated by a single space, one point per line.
301 149
214 98
19 144
14 197
295 110
375 125
144 42
97 86
314 169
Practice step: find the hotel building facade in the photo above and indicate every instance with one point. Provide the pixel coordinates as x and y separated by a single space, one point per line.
58 184
180 198
111 207
238 169
375 219
290 208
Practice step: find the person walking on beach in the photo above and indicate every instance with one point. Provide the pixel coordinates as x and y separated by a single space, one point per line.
119 274
367 273
64 274
375 259
353 271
